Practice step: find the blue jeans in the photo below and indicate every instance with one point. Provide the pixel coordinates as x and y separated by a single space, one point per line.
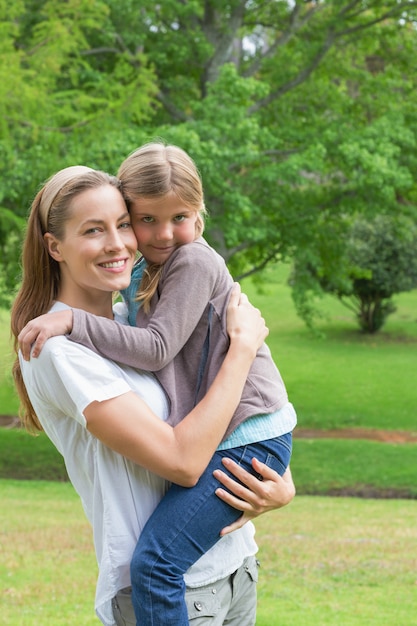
186 524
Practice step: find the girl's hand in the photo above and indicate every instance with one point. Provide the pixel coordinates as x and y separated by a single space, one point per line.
38 330
255 496
245 325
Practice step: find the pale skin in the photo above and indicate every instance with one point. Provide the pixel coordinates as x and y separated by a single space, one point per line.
107 253
161 225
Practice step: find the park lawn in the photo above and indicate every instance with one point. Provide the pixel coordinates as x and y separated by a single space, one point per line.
27 457
8 400
319 466
338 561
343 378
324 561
354 467
48 568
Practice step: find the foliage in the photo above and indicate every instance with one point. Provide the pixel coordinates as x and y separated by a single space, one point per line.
11 226
378 261
287 108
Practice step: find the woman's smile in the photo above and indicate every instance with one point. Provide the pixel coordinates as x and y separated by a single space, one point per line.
97 252
115 265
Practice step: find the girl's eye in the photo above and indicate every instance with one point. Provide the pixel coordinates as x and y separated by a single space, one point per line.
147 219
179 218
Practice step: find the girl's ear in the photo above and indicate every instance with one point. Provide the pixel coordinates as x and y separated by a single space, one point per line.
52 244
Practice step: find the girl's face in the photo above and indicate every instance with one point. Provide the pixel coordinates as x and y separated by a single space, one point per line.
97 252
161 225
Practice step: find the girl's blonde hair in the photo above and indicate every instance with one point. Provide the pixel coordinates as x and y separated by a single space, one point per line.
41 277
153 171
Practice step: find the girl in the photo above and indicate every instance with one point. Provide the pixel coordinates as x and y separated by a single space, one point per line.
181 335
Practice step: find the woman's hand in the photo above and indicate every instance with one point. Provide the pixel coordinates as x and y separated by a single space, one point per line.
38 330
255 496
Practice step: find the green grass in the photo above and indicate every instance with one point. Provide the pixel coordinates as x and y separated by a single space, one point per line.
338 561
8 400
324 561
345 379
319 466
28 457
48 568
354 467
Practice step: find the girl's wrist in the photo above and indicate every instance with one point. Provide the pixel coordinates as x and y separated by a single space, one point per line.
242 349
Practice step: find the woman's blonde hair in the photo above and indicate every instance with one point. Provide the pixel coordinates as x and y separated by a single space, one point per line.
41 278
153 171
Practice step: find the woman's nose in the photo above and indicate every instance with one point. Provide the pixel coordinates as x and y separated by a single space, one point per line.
114 241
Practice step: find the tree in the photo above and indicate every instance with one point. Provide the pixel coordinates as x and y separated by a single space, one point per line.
58 106
378 261
11 227
297 114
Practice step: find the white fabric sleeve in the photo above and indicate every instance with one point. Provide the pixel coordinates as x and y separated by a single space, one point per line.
71 377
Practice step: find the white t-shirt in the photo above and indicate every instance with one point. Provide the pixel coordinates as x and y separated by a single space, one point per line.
117 496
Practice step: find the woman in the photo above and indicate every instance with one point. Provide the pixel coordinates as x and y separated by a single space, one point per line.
102 417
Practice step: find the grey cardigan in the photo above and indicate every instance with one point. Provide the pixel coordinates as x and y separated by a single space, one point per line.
186 320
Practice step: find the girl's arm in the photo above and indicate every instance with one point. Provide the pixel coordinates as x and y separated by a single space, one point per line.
188 284
40 329
125 423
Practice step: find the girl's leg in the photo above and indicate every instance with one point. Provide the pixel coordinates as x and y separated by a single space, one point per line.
186 524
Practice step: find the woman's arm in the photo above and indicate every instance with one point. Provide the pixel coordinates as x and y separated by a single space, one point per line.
181 454
254 496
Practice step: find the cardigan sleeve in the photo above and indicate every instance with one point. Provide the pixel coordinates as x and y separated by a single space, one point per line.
186 287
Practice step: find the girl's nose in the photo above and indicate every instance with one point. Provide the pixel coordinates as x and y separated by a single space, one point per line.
164 232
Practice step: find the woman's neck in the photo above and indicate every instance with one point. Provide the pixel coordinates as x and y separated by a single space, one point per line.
96 302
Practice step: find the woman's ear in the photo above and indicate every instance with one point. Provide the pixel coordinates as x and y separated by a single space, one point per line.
52 244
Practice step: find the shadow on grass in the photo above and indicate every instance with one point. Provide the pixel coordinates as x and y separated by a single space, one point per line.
27 457
324 467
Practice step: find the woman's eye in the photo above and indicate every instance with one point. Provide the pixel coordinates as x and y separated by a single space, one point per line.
125 225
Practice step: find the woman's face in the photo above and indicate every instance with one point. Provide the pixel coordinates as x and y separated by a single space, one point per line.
97 252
